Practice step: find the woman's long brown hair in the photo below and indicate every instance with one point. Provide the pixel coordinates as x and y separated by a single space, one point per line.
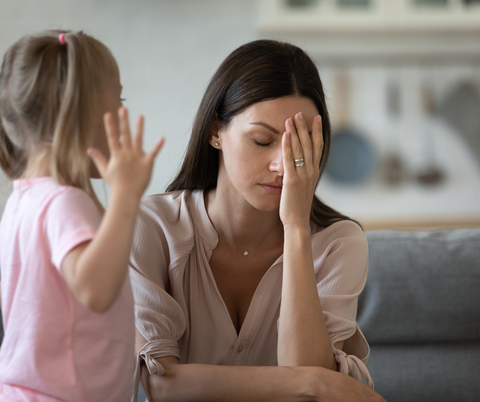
255 72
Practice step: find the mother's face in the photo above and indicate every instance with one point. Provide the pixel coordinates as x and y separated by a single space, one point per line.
251 163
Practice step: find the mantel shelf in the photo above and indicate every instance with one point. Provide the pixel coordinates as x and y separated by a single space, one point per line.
370 46
390 31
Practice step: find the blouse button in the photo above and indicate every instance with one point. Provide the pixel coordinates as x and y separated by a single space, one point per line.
240 348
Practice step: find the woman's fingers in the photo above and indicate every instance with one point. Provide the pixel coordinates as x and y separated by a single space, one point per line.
288 158
124 127
317 140
112 132
304 138
296 146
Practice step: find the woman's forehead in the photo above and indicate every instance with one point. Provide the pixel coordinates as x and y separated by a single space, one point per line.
281 108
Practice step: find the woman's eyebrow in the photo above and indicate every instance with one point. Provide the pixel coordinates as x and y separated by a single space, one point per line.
274 130
269 127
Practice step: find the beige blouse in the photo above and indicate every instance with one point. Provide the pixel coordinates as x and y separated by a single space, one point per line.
180 312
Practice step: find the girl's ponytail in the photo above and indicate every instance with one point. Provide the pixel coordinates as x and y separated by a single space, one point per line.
75 126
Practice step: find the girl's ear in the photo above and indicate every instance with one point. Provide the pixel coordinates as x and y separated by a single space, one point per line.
214 139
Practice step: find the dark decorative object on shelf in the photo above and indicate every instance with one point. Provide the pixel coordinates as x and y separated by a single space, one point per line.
301 4
354 3
352 158
435 3
393 168
431 173
461 109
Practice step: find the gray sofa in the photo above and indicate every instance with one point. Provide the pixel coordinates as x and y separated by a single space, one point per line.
420 312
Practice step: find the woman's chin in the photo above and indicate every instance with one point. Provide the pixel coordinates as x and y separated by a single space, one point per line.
267 203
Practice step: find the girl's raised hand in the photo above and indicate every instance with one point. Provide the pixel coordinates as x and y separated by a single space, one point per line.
129 168
300 177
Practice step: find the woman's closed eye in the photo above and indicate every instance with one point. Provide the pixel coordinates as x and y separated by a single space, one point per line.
262 143
262 140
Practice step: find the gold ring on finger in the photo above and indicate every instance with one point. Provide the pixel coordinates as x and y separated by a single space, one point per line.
299 162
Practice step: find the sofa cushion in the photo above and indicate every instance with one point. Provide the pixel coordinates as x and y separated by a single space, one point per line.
422 287
435 372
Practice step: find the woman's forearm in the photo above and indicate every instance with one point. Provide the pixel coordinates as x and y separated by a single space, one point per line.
302 337
201 382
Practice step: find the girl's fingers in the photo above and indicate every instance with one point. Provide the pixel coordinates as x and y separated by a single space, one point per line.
296 147
138 144
112 133
156 148
317 140
124 127
99 160
304 138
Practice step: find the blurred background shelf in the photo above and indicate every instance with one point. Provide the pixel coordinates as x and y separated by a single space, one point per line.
413 73
369 31
333 16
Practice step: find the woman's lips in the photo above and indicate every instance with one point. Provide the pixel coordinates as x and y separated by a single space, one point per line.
272 188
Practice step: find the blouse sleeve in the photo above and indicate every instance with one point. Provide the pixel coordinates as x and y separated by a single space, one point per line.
340 254
158 316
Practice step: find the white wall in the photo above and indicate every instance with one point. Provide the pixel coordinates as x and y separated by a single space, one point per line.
167 51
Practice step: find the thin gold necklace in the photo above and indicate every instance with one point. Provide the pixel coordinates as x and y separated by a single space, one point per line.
245 253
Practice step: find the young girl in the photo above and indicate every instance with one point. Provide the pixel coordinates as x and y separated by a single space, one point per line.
66 298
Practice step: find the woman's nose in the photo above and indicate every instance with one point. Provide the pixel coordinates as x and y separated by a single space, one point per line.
276 164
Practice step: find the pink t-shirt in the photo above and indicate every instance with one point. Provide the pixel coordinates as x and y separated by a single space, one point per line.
54 348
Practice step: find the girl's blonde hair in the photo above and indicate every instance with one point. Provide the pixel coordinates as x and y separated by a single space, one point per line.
48 95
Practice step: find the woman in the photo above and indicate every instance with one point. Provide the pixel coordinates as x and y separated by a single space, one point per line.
241 230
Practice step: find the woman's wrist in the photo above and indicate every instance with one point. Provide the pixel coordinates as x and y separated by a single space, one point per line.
301 229
307 379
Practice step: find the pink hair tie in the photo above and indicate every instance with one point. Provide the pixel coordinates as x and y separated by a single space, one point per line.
61 39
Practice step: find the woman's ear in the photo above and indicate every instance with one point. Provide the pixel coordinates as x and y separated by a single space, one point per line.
215 135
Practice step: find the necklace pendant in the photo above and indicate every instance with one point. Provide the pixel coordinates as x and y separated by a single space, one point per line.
245 253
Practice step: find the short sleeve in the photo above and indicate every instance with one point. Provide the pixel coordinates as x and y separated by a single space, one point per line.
163 235
71 218
340 254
